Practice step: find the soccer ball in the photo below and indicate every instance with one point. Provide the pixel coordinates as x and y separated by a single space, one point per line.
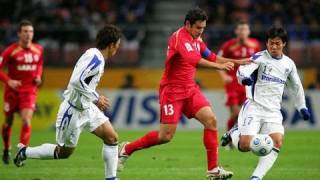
261 144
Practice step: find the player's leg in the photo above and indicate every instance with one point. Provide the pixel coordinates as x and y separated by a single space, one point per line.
207 118
67 136
66 143
110 148
27 103
248 126
45 152
234 111
10 107
198 107
150 139
25 132
6 135
232 122
276 131
170 114
67 140
233 105
210 140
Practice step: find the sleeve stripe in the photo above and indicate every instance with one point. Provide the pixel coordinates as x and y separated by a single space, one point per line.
95 62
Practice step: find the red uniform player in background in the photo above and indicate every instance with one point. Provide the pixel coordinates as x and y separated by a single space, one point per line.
179 94
24 61
238 48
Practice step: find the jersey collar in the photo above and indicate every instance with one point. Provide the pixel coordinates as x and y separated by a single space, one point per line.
276 58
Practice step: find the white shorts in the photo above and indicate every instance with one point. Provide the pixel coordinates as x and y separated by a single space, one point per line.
254 119
71 122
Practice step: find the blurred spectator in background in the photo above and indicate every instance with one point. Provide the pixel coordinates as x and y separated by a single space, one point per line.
133 35
128 82
135 7
64 26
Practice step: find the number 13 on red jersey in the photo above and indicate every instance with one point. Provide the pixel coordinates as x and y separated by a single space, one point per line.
168 109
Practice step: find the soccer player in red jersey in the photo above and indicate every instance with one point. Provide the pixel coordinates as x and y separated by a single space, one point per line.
179 93
24 60
238 48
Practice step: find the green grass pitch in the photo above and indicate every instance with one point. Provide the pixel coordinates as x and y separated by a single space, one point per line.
183 158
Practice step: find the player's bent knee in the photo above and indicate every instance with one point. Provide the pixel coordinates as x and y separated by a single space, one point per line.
165 138
113 139
244 145
63 152
277 144
64 155
210 122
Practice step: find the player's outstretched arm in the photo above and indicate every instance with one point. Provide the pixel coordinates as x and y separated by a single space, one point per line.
296 89
220 59
221 66
244 73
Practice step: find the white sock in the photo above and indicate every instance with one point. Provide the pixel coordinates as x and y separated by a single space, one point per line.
44 151
110 157
265 163
235 136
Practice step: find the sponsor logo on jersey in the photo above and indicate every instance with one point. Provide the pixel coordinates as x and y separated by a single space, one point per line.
36 57
188 47
27 67
267 77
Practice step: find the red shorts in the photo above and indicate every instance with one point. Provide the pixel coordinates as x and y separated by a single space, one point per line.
236 94
175 101
15 101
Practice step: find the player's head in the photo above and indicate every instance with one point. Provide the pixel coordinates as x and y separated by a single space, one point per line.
25 33
242 30
108 38
276 41
195 22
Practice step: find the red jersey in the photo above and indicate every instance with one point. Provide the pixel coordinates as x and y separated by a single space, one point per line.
24 64
234 50
183 55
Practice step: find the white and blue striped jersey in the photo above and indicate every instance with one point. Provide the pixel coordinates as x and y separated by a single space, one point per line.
270 76
81 90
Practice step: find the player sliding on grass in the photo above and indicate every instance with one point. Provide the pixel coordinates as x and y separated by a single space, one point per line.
265 80
82 108
179 93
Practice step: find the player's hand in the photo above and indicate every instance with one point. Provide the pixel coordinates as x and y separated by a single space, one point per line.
247 81
14 84
244 61
305 114
227 66
37 81
103 103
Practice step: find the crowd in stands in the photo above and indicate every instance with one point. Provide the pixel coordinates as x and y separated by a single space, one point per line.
68 25
71 24
300 18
